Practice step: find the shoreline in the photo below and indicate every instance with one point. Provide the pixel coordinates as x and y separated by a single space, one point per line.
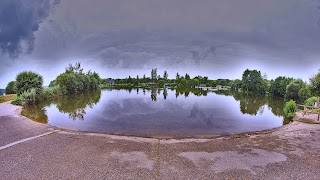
32 150
297 118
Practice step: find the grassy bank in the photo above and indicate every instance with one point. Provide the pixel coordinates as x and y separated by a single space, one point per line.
6 98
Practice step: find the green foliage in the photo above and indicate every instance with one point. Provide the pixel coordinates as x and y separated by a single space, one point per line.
154 74
290 109
165 75
312 100
28 80
74 81
236 85
31 96
252 81
161 83
304 93
292 90
278 86
183 83
315 84
18 101
52 83
51 92
11 88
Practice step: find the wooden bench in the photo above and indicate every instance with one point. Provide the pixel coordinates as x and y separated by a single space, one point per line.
308 109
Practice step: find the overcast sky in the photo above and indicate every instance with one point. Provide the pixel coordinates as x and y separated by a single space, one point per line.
118 38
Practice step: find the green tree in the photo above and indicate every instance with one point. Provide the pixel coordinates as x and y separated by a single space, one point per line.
279 85
252 81
11 88
315 84
187 76
165 75
74 81
236 85
292 90
52 83
154 74
304 93
28 80
144 78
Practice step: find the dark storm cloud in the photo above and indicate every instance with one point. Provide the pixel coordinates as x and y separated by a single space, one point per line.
19 19
215 38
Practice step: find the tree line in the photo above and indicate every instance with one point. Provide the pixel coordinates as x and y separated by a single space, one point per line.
296 89
29 85
180 81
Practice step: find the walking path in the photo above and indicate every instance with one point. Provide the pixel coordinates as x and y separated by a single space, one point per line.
29 150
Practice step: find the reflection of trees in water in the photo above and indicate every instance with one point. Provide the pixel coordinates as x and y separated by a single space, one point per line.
251 104
75 105
165 93
154 94
254 104
36 113
276 105
186 92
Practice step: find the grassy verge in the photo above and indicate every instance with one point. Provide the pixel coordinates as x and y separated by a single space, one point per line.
309 122
6 98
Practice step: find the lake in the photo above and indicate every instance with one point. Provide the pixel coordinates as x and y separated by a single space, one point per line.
161 112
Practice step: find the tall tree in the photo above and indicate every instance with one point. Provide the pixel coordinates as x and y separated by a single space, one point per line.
144 78
315 84
252 81
165 75
187 76
177 76
154 74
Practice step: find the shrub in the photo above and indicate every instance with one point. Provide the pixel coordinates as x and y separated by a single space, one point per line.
74 81
28 80
290 109
51 92
11 88
30 96
312 100
18 101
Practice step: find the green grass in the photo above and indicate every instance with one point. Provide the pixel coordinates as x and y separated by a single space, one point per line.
8 97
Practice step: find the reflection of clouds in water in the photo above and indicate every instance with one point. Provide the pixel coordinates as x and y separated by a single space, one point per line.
200 116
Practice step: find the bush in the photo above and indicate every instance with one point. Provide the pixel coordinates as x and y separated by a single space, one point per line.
18 101
51 92
11 88
31 96
73 81
290 109
28 80
312 100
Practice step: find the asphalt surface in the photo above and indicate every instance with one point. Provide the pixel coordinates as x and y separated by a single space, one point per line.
289 152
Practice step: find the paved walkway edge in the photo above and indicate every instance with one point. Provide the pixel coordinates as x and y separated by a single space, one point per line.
26 139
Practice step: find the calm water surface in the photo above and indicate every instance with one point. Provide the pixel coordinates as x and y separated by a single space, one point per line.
160 113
